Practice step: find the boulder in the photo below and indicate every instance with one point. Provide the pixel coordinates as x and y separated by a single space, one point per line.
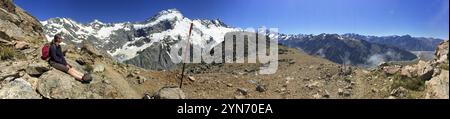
424 70
437 87
20 45
170 93
391 69
55 84
18 89
409 71
37 69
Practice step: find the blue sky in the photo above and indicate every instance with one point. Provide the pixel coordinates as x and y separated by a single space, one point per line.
427 18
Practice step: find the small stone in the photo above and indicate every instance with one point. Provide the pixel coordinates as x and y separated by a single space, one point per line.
312 85
147 96
261 88
106 81
327 94
348 87
391 97
191 78
243 91
340 91
253 81
317 96
141 80
291 61
306 79
130 75
229 85
399 92
9 79
347 93
239 97
283 89
374 90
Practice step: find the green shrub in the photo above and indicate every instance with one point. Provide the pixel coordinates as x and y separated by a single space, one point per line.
7 53
444 65
88 68
415 84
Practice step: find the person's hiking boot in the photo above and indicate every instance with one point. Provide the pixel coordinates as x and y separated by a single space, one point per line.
87 78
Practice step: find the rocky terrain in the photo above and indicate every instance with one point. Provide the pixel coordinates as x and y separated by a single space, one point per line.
23 75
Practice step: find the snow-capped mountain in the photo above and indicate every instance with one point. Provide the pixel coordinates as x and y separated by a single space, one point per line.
126 41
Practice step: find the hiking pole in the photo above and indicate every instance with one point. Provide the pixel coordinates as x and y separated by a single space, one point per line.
188 44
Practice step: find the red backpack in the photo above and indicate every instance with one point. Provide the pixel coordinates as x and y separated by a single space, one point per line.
45 52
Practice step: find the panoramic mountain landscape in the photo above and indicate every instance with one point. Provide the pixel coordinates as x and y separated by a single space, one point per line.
154 37
131 60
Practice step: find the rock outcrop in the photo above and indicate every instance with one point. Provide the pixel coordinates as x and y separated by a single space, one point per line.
18 89
17 25
438 86
442 53
170 93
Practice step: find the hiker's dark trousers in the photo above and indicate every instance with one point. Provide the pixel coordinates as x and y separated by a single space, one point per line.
59 66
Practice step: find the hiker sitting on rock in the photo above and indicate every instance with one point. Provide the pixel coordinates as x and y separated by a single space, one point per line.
58 61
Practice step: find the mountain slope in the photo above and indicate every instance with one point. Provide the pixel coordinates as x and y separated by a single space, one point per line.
405 42
344 50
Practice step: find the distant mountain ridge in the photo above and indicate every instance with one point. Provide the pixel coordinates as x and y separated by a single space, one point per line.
406 42
346 50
